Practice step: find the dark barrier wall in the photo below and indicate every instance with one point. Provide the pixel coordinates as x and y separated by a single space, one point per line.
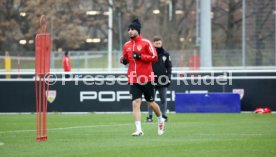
76 96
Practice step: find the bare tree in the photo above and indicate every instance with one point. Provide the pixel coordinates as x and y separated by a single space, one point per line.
70 26
12 25
68 22
264 30
227 22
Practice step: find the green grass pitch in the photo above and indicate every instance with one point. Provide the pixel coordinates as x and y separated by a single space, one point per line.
108 135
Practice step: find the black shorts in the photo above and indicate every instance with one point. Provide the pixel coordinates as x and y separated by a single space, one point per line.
136 91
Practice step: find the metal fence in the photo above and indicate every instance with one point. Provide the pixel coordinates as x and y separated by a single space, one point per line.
180 59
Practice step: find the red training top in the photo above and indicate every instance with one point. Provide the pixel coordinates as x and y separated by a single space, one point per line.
140 71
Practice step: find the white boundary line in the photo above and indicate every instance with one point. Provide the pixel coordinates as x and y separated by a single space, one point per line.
231 134
96 126
65 128
125 79
124 71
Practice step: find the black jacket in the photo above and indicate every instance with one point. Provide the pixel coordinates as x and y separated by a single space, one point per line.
162 68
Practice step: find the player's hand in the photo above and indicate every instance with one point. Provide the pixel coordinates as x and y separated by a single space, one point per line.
123 60
136 55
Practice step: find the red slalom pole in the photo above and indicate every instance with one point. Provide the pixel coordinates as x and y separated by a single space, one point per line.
42 70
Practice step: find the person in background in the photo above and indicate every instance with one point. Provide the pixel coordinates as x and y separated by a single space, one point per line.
8 64
139 53
163 70
66 63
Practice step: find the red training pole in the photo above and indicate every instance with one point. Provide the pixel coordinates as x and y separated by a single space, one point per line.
42 69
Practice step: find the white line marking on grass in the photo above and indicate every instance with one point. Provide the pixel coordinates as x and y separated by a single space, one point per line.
15 131
87 126
231 134
66 128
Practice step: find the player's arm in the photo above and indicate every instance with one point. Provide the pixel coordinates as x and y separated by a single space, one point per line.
124 58
149 56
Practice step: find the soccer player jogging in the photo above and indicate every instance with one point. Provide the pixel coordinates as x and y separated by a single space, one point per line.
139 53
163 70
